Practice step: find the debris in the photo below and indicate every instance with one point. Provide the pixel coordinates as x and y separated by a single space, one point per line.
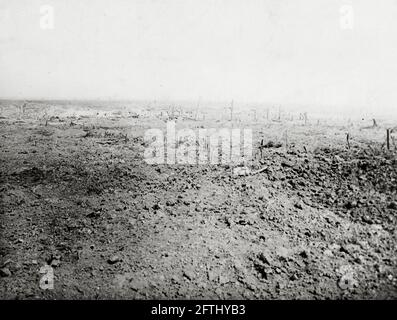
189 274
265 258
241 171
272 144
338 158
359 260
114 259
55 263
175 279
304 254
344 249
298 205
294 277
260 170
367 219
5 272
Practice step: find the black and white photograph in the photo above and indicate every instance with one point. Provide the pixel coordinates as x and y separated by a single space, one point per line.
212 150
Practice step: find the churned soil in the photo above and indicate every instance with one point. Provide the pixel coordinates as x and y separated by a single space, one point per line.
316 223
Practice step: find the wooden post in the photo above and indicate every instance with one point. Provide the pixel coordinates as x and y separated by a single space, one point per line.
286 139
348 140
388 139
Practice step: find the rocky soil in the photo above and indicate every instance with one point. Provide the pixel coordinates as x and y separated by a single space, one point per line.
315 223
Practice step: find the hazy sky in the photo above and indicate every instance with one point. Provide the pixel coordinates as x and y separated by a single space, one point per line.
291 51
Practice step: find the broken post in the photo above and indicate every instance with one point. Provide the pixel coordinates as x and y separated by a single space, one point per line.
261 148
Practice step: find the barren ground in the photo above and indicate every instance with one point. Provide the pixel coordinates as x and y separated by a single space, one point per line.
318 223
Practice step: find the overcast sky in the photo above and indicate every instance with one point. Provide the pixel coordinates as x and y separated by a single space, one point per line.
291 51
